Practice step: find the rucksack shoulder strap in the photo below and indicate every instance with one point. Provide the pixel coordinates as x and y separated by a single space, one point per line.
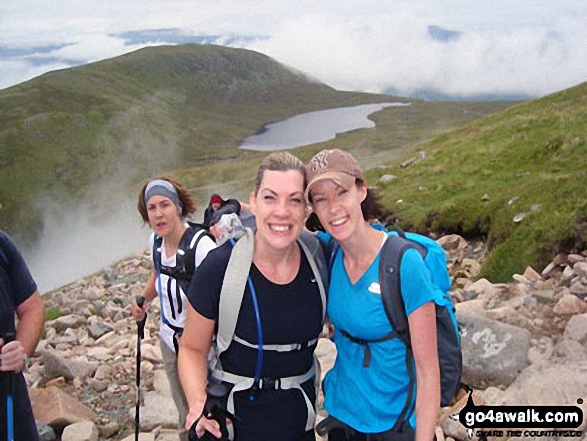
233 288
389 278
315 253
188 245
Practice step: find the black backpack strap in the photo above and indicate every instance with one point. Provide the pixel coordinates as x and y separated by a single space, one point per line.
390 259
389 278
185 264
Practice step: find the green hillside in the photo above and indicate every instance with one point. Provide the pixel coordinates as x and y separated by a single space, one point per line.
530 161
138 115
180 109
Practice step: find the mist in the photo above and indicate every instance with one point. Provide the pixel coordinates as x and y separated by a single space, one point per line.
83 242
81 238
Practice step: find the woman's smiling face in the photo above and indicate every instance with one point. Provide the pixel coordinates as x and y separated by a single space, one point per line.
338 209
280 208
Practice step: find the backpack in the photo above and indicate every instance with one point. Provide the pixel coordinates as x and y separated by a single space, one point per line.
184 269
231 296
185 257
447 331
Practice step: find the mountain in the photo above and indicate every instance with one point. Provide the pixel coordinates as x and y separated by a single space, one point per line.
91 134
136 115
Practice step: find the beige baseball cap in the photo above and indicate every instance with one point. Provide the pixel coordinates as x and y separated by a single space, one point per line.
336 165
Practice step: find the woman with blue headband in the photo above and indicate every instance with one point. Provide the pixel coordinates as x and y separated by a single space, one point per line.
178 249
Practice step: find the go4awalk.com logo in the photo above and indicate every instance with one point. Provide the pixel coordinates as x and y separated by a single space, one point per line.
521 421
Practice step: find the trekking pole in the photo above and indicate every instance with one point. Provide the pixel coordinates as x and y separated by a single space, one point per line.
140 336
9 399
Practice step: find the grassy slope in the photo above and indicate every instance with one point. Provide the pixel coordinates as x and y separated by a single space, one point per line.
535 152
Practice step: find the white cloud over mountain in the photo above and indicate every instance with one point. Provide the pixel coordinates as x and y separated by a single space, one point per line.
454 47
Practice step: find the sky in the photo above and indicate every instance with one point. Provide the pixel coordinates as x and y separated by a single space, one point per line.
454 47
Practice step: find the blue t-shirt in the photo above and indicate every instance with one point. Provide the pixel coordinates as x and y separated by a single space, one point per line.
370 399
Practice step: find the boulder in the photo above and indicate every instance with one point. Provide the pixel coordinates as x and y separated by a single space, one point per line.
54 407
494 353
83 431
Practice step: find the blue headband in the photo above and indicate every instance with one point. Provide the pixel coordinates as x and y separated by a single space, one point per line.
160 187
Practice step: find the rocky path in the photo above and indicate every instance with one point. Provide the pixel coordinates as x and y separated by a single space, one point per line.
524 342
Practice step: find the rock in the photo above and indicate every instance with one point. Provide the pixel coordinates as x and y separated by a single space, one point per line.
544 296
519 217
386 179
62 323
484 287
151 353
470 306
108 429
568 348
570 305
580 268
521 279
493 353
54 407
549 270
46 432
452 242
574 258
532 274
576 329
56 365
84 431
553 383
97 330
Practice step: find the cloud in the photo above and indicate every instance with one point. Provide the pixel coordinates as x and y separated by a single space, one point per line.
454 47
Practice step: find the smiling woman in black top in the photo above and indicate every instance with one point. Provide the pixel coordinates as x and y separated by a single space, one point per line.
289 306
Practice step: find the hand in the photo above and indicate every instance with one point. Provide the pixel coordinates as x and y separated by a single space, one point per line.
203 425
11 356
215 231
137 312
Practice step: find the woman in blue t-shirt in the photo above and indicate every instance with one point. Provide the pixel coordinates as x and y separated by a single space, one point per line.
371 402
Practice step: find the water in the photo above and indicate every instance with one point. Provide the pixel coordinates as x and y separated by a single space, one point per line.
313 127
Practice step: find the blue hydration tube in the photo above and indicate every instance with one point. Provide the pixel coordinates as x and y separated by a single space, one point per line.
10 411
259 367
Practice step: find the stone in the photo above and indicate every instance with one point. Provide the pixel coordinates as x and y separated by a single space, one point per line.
570 304
56 365
108 429
62 323
83 431
46 432
493 352
99 329
580 268
452 242
54 407
544 296
574 258
386 179
576 329
532 274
